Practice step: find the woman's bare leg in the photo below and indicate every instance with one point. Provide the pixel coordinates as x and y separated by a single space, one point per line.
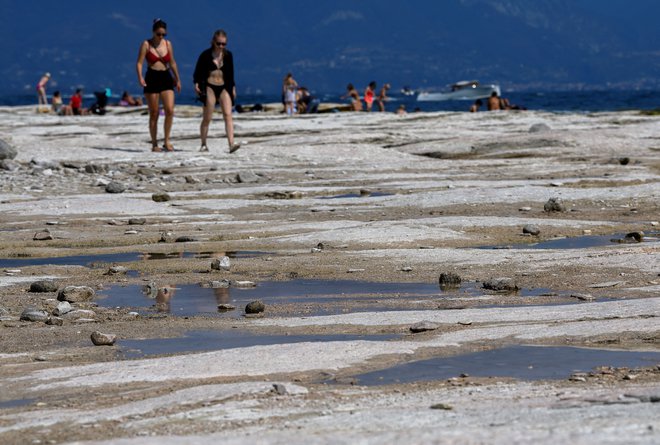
207 116
225 104
167 97
152 103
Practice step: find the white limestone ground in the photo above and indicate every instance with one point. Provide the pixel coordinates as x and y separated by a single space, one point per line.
494 161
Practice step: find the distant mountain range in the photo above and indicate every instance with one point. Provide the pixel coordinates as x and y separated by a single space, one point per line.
522 44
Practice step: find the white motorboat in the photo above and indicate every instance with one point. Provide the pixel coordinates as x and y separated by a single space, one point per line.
464 90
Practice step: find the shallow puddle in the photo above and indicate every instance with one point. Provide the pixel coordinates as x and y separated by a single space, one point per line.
192 299
357 195
301 297
580 242
520 362
199 341
126 257
16 403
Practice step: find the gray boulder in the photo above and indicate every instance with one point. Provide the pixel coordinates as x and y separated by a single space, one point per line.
76 294
424 326
221 263
115 187
247 177
531 229
554 205
7 151
43 286
539 128
501 285
101 339
255 307
161 197
32 314
9 165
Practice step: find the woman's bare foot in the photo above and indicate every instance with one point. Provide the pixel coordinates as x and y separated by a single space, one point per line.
233 147
156 149
168 147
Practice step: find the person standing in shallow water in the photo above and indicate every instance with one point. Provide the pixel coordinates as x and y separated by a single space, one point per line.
369 95
158 83
214 83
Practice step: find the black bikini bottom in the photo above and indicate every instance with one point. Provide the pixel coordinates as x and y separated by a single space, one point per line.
217 90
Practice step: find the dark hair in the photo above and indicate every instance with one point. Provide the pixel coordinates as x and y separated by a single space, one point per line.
78 90
158 23
479 102
372 84
350 86
56 93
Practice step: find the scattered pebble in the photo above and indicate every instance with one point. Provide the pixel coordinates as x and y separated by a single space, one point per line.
532 229
583 297
76 294
554 205
161 197
131 232
226 307
449 280
442 406
525 209
34 315
116 270
406 269
63 307
355 270
137 221
185 239
115 187
243 284
43 286
606 284
44 235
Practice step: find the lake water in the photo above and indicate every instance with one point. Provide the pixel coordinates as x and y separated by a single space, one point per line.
555 101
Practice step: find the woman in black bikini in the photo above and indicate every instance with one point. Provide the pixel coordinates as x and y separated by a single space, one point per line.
214 83
159 83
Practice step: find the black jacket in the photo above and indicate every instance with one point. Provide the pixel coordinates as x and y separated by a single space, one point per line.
205 65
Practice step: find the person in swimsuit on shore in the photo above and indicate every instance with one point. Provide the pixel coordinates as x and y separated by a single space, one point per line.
41 90
159 82
214 83
287 84
382 97
370 94
356 103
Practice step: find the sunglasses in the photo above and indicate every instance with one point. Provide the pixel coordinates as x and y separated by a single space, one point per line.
161 34
220 43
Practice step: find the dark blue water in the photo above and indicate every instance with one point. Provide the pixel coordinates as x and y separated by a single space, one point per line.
556 101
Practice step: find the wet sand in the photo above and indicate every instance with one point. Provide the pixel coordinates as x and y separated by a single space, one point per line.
359 199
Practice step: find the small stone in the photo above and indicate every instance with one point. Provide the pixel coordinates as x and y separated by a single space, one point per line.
78 314
115 187
55 321
221 284
606 284
7 151
185 239
94 168
243 284
116 270
161 197
525 209
539 128
501 285
634 237
449 280
43 286
355 270
583 297
191 180
531 229
131 232
44 235
247 177
225 307
586 232
166 237
76 294
554 205
221 263
9 165
424 326
255 307
100 339
442 406
137 221
63 307
34 315
279 389
406 269
624 160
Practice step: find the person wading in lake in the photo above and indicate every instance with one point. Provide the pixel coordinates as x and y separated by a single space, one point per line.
214 83
159 83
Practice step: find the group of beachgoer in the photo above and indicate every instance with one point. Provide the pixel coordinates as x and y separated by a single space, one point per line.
494 103
369 97
297 99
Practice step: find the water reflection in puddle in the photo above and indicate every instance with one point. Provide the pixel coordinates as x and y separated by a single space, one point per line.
520 362
192 299
126 257
580 242
199 341
306 297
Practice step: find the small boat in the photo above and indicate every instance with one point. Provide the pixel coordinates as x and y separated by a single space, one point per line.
407 91
464 90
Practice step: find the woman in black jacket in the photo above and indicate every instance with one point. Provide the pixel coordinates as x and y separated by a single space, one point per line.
214 83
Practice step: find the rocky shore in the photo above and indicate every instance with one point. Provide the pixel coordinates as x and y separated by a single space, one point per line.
206 297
